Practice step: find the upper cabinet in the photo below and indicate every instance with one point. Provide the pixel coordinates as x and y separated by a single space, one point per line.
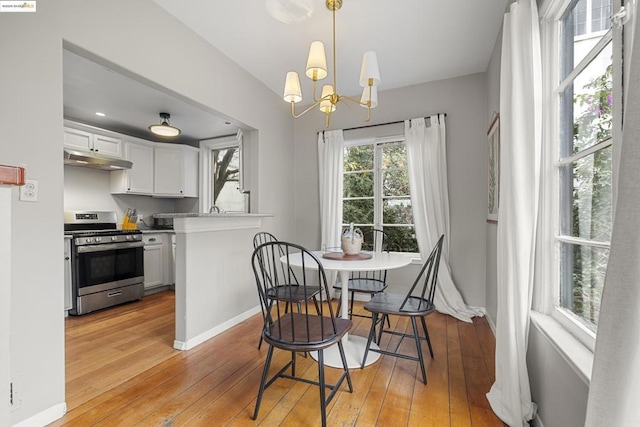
97 143
138 179
175 171
159 169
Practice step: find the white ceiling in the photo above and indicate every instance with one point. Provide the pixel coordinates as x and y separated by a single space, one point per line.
416 41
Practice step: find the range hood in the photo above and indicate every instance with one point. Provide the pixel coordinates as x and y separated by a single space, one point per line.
78 158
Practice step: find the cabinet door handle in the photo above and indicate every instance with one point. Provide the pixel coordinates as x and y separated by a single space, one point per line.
153 239
66 258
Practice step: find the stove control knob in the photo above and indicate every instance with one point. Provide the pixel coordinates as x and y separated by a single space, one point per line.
89 240
127 237
98 239
114 238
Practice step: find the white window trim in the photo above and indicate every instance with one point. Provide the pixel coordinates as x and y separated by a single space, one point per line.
206 146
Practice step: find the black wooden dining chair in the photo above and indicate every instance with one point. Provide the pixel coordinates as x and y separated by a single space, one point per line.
413 305
367 282
312 328
290 296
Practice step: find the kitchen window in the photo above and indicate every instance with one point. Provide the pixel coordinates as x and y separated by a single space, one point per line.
222 175
376 191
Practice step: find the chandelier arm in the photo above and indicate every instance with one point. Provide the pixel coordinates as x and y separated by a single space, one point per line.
355 100
315 104
354 110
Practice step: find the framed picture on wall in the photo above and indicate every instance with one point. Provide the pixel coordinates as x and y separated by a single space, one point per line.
493 158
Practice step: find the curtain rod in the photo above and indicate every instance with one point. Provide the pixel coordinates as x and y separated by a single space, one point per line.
378 124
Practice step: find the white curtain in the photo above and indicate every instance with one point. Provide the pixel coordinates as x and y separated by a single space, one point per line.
614 391
427 169
520 156
330 152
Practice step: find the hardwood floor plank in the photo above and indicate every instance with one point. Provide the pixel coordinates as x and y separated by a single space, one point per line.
123 371
430 403
458 400
477 377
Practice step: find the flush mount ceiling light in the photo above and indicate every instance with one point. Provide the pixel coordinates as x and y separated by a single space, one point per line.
164 128
317 70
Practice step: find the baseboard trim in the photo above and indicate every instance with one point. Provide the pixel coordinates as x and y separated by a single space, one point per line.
537 421
199 339
489 319
45 417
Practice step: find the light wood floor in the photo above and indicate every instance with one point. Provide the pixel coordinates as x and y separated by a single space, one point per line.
121 370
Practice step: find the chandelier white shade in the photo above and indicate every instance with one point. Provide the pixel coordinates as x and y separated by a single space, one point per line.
369 69
317 70
317 61
292 91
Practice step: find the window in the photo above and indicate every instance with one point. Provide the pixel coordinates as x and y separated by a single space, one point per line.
225 179
587 92
222 178
376 192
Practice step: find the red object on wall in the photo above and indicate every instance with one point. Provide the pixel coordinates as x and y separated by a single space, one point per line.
12 175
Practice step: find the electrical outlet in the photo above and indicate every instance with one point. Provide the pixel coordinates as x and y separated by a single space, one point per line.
29 191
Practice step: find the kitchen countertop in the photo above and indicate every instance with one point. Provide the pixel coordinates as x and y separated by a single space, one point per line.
210 215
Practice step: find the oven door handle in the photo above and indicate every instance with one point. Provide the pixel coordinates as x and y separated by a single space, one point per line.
108 247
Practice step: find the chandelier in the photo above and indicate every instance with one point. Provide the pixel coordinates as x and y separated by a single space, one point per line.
329 97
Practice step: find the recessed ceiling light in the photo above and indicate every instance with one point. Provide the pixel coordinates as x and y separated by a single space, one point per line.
98 113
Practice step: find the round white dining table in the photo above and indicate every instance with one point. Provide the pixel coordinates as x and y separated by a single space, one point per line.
354 345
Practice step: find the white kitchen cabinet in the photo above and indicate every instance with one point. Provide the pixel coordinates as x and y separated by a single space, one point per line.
138 179
87 141
68 294
175 171
154 261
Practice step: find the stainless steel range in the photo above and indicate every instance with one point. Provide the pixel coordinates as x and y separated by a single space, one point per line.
107 263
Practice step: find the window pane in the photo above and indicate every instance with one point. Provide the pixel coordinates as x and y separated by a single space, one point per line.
357 211
225 173
590 105
588 189
394 156
580 17
358 158
582 281
397 211
402 239
600 15
578 36
395 183
358 184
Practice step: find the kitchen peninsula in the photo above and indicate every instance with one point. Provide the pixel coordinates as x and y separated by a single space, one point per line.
215 288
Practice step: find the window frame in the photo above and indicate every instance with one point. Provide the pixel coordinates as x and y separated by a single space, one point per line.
553 85
378 144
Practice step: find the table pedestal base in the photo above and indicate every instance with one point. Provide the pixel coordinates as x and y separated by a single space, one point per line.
354 347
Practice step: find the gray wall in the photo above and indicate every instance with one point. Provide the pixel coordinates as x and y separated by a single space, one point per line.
560 393
464 101
131 35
